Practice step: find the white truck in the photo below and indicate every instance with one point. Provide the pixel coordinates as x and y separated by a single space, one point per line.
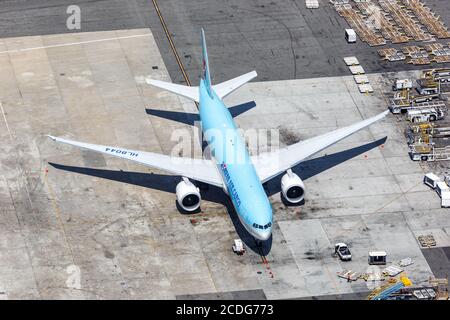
377 258
401 84
350 35
443 191
312 4
440 186
342 251
238 247
425 114
431 180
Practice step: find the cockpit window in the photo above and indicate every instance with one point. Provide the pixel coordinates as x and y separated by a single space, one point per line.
267 225
257 226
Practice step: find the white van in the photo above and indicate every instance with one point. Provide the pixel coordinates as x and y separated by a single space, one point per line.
443 191
431 180
350 35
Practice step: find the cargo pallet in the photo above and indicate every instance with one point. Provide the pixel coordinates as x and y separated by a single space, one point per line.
427 18
391 54
427 152
357 22
400 15
427 241
389 30
425 133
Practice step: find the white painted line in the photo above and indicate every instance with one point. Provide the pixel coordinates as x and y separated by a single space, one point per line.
74 43
18 165
6 121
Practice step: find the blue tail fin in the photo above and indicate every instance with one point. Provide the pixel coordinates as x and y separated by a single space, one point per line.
206 76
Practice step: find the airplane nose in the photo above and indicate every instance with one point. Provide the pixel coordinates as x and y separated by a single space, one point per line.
264 235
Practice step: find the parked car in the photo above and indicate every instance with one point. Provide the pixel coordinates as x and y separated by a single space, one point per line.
342 250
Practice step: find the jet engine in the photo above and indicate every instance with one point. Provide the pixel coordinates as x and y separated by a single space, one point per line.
292 187
188 195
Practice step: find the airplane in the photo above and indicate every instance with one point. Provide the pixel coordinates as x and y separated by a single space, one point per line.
241 180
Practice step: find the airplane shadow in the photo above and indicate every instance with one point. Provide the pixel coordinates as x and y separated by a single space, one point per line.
190 118
214 194
312 167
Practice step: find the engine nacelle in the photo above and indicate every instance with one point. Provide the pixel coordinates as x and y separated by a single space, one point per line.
188 195
292 187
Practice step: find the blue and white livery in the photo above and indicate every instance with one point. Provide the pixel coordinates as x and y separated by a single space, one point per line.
231 166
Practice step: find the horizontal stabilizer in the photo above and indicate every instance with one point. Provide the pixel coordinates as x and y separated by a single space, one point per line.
225 88
184 91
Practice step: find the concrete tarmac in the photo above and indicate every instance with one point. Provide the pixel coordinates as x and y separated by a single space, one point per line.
75 224
280 39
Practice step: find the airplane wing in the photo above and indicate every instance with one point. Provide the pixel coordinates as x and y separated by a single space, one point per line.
196 169
270 164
